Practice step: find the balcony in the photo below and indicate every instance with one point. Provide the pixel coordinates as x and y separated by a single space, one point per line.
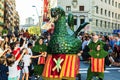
8 5
1 5
1 23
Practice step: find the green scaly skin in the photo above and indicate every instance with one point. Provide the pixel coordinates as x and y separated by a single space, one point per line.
71 21
61 42
80 28
71 24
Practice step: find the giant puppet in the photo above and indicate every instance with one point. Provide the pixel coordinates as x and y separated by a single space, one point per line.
62 61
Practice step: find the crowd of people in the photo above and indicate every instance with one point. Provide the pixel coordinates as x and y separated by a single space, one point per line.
25 54
20 55
112 46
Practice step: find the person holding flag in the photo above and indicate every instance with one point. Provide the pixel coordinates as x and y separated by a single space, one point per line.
98 55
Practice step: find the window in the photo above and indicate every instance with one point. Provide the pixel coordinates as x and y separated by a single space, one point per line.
101 11
115 25
81 8
68 8
108 24
105 24
115 4
116 15
105 12
97 9
112 2
96 22
112 14
109 2
119 5
101 23
109 14
105 1
118 26
112 25
75 20
82 21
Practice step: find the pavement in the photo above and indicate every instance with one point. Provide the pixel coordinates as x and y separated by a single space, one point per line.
111 73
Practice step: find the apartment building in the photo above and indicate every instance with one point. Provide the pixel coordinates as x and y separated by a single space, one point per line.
11 16
1 14
103 15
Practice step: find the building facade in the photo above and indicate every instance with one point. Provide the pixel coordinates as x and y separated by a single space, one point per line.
11 17
29 21
103 15
1 14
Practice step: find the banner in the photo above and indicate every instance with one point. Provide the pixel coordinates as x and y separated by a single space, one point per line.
34 30
46 9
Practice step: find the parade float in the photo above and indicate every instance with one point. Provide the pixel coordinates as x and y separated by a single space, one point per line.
62 60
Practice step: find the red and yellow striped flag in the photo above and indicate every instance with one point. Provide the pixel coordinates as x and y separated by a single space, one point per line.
41 60
97 64
69 69
46 9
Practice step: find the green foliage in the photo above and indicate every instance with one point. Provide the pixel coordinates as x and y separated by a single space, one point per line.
4 31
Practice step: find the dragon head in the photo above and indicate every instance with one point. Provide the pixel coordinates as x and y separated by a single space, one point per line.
57 12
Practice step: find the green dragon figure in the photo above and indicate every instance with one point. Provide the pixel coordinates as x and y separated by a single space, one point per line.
61 42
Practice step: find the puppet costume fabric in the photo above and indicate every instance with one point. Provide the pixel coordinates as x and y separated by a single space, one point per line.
96 67
62 61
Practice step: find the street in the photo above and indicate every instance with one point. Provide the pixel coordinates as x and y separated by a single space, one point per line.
111 73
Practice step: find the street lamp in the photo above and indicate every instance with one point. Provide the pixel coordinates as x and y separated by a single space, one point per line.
38 17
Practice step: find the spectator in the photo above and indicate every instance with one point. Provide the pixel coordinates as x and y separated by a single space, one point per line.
12 65
3 68
1 40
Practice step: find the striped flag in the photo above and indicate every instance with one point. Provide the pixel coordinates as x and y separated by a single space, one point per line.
69 69
41 60
97 64
46 9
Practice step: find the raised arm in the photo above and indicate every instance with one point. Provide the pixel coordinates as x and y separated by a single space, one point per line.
4 52
23 44
21 55
42 54
36 56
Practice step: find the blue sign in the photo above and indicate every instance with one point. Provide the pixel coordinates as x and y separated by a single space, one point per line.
116 31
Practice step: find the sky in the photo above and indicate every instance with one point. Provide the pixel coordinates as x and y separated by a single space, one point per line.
25 9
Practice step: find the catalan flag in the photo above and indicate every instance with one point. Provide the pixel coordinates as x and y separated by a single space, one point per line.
97 64
41 60
46 10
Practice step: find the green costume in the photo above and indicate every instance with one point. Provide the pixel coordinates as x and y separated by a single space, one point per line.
36 51
96 54
61 41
